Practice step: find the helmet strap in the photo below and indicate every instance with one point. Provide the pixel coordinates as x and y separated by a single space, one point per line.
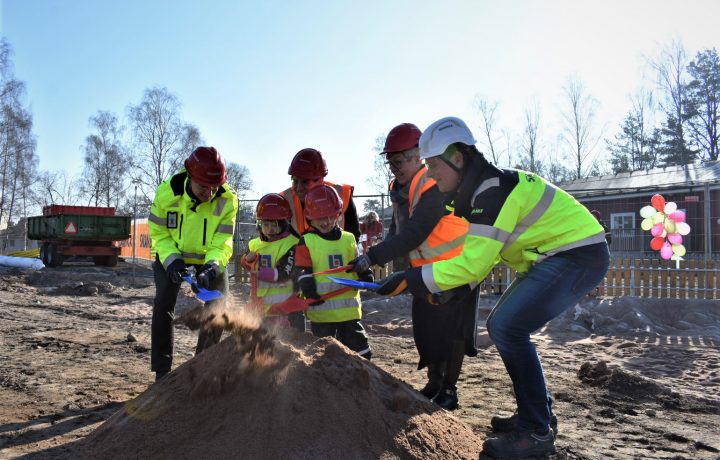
447 158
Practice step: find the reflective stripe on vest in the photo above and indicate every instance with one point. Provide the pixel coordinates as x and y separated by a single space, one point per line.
298 222
325 255
447 238
269 252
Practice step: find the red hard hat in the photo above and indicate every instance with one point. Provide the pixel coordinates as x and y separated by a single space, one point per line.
322 201
402 137
308 164
273 206
206 167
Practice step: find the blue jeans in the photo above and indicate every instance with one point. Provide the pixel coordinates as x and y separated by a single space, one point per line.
534 298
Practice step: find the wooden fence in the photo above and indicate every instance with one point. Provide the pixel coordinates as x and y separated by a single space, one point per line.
652 278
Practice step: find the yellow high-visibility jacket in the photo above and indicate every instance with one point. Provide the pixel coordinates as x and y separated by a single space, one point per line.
326 254
269 253
515 217
198 233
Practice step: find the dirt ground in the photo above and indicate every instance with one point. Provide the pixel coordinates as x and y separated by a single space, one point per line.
631 378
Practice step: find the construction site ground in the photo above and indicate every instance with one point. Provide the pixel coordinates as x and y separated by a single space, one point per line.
631 378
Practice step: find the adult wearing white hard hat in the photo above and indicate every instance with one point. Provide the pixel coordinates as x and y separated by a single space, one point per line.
557 247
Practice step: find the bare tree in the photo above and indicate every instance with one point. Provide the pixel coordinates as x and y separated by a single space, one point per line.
670 65
530 139
380 180
703 111
105 161
53 187
487 109
579 125
636 145
18 161
162 138
238 176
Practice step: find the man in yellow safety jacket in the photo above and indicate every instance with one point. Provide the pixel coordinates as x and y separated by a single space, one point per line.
425 232
557 247
191 223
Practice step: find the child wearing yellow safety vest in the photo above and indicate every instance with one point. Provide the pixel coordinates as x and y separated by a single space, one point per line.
323 247
270 256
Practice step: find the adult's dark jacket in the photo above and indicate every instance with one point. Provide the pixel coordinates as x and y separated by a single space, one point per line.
434 327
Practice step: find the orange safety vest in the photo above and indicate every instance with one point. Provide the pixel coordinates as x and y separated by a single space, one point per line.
298 221
447 238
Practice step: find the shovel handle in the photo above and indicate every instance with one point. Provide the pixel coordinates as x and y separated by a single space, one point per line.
330 271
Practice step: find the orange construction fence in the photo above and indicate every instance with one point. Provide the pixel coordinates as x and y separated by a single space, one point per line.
142 242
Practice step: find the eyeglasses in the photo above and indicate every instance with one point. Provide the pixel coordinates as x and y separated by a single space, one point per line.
396 163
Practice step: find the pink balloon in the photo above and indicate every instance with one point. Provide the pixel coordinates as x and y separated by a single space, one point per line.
674 238
678 216
666 251
657 229
658 202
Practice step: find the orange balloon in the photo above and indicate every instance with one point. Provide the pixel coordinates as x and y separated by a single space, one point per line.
658 202
657 243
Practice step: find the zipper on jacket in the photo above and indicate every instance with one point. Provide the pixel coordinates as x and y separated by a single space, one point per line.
204 230
181 222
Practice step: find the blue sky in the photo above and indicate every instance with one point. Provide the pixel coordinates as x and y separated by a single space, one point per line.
264 79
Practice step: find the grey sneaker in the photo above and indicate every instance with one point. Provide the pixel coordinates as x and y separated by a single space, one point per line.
508 424
520 444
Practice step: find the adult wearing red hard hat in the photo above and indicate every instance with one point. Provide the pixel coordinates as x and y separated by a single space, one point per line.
191 224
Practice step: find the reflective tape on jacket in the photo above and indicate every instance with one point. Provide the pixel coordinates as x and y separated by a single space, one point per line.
327 254
298 221
182 227
268 255
446 239
537 220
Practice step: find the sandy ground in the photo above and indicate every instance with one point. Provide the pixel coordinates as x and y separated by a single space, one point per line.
631 378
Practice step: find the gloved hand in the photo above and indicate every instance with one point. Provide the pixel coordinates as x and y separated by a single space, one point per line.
266 274
393 284
176 270
309 289
248 260
440 298
366 276
360 264
206 275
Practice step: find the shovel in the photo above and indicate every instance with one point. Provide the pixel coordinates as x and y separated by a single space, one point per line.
354 283
206 295
295 303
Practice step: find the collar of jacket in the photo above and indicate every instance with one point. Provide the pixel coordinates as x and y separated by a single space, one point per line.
332 235
460 200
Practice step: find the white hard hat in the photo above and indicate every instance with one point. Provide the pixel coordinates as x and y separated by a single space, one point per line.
439 135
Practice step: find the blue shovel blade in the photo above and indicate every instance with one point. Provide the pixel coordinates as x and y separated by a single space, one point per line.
354 283
206 295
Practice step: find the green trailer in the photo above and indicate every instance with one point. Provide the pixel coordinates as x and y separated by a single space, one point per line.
66 231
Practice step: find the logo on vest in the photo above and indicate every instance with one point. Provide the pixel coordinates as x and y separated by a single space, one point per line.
477 211
335 260
172 220
266 261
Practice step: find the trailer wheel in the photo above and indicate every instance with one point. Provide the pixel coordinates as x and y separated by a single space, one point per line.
43 253
111 261
99 260
55 258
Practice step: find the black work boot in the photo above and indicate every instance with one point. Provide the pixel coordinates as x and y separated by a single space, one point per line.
447 398
159 375
436 374
507 424
520 444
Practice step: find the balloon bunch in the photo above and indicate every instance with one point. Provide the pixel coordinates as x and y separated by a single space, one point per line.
667 226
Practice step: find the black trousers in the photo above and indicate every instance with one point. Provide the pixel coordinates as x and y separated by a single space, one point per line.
350 333
436 327
162 338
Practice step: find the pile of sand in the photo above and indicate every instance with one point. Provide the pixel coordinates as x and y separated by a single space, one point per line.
290 396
